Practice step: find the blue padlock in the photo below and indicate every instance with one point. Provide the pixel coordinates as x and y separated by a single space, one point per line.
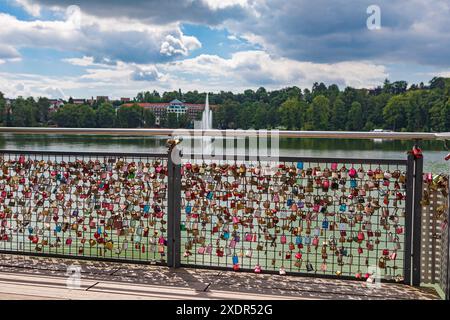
289 202
342 207
210 195
353 183
298 240
325 223
235 259
146 208
188 209
307 240
226 235
300 165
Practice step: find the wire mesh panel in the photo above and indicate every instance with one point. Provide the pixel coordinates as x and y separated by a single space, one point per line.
435 247
330 217
95 206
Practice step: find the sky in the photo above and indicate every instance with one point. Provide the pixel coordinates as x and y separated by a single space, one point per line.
85 48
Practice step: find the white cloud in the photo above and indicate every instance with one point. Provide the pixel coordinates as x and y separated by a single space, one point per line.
100 38
179 46
32 8
254 68
243 70
82 62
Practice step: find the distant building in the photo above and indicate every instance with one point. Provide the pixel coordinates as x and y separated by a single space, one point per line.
104 98
77 101
125 100
55 104
160 109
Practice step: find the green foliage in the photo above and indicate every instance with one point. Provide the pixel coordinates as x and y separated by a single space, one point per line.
130 117
75 116
24 113
43 105
318 113
149 118
391 106
106 116
355 117
2 108
292 114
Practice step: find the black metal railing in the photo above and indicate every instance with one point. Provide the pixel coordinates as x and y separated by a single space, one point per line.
319 216
108 206
316 216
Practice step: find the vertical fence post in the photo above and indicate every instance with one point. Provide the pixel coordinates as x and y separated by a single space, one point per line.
409 206
417 221
173 210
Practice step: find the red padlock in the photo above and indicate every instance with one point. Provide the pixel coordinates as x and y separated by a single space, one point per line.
447 157
417 152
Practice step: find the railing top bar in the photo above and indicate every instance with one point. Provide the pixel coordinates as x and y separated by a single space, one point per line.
230 133
297 159
86 153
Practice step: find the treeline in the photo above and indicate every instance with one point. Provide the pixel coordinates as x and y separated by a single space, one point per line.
393 106
31 113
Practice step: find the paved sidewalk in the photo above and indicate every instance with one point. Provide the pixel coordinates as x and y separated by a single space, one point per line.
23 277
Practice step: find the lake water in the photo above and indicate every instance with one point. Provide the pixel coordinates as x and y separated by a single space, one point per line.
434 151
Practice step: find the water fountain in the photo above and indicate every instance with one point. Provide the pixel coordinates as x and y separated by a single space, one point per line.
206 124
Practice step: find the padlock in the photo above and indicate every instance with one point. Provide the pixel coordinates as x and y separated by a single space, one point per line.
382 262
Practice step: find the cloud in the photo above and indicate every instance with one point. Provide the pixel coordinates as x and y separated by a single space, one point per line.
33 9
334 31
243 70
209 12
103 39
179 46
145 74
8 53
258 68
82 62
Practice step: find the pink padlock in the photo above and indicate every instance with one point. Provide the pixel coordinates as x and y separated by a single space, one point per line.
334 166
257 268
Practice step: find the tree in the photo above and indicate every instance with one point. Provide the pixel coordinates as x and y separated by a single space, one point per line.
317 115
106 115
149 118
43 106
172 120
338 115
130 116
87 117
23 113
355 117
394 113
75 116
261 115
3 110
291 114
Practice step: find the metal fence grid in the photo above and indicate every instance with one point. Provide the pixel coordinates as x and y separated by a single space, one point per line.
338 217
434 246
84 205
